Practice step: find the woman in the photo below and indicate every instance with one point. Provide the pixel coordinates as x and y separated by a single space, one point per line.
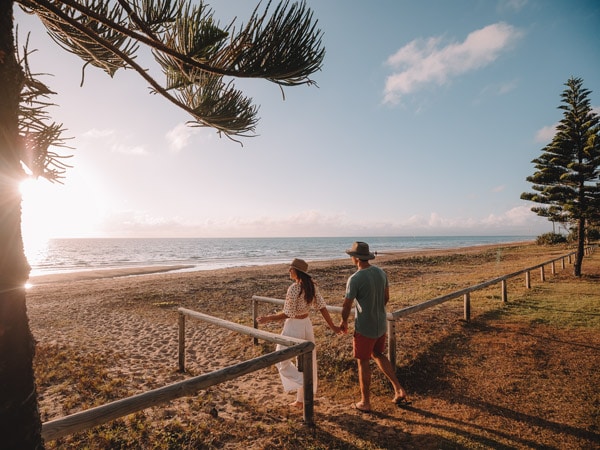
301 296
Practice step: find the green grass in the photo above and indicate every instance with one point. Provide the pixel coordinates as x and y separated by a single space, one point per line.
561 302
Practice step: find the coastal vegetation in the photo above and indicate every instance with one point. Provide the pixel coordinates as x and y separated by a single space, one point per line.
567 177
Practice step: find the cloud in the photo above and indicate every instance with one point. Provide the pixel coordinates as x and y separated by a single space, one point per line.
128 150
114 141
516 221
511 5
517 216
427 61
180 137
545 134
507 87
95 133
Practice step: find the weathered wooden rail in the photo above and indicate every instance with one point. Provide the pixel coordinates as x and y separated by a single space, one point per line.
465 293
83 420
256 299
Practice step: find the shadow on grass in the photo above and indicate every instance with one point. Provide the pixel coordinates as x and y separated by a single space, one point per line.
533 421
429 375
474 433
362 426
482 327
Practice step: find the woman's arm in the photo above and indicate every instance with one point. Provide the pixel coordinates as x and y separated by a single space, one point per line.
327 318
272 318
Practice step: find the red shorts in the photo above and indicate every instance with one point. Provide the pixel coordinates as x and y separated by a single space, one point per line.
364 347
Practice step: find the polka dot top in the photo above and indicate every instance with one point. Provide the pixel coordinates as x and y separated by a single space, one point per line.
295 305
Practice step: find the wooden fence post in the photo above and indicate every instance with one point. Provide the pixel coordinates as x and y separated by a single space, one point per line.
542 275
391 325
307 378
562 261
254 317
181 342
467 306
528 280
553 268
504 291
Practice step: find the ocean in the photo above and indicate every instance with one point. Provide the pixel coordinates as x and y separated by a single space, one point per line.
72 255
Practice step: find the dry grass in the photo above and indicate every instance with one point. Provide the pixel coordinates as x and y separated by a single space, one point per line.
520 375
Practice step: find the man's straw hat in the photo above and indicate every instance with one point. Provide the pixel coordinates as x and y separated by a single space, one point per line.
361 251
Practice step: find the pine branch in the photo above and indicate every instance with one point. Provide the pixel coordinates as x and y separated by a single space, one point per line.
37 133
286 51
225 110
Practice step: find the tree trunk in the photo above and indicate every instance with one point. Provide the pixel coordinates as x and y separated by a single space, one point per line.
580 247
20 425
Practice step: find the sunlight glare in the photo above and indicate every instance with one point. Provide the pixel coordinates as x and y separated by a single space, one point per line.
52 210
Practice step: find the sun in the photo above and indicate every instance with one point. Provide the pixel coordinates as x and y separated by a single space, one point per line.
34 207
51 210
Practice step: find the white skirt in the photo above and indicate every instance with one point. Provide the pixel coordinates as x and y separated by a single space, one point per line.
291 377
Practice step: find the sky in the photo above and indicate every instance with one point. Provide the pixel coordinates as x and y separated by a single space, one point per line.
425 121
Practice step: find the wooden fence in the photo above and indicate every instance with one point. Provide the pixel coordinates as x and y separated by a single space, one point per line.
465 293
83 420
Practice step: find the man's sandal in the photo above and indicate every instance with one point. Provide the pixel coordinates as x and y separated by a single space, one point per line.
402 402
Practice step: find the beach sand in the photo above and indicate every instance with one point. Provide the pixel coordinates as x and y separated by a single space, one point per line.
128 318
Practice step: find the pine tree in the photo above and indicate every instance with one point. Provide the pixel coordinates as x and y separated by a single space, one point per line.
567 176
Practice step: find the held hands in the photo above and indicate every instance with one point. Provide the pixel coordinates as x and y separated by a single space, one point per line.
343 327
336 329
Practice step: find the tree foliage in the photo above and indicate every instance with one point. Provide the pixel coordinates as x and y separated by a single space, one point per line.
567 177
198 57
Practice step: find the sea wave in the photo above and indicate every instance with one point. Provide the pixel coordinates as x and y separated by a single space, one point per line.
71 255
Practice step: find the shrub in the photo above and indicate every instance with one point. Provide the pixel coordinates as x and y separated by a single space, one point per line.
550 239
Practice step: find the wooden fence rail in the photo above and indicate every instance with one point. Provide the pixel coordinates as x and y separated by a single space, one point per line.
83 420
256 299
502 279
465 293
305 353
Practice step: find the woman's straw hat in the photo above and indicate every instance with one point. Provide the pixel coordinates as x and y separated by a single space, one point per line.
300 265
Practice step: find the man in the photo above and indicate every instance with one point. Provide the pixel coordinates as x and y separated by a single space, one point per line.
369 287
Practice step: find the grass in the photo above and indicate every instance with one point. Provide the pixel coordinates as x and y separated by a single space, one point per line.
522 374
561 303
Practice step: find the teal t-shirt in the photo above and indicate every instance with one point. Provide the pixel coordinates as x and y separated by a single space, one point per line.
367 287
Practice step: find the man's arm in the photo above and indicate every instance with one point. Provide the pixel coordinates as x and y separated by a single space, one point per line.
346 308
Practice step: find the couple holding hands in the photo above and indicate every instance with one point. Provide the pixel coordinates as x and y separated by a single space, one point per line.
369 287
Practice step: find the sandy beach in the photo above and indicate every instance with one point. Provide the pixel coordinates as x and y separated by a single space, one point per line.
128 319
129 315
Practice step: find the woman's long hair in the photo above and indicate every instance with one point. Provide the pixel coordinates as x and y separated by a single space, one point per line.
307 286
